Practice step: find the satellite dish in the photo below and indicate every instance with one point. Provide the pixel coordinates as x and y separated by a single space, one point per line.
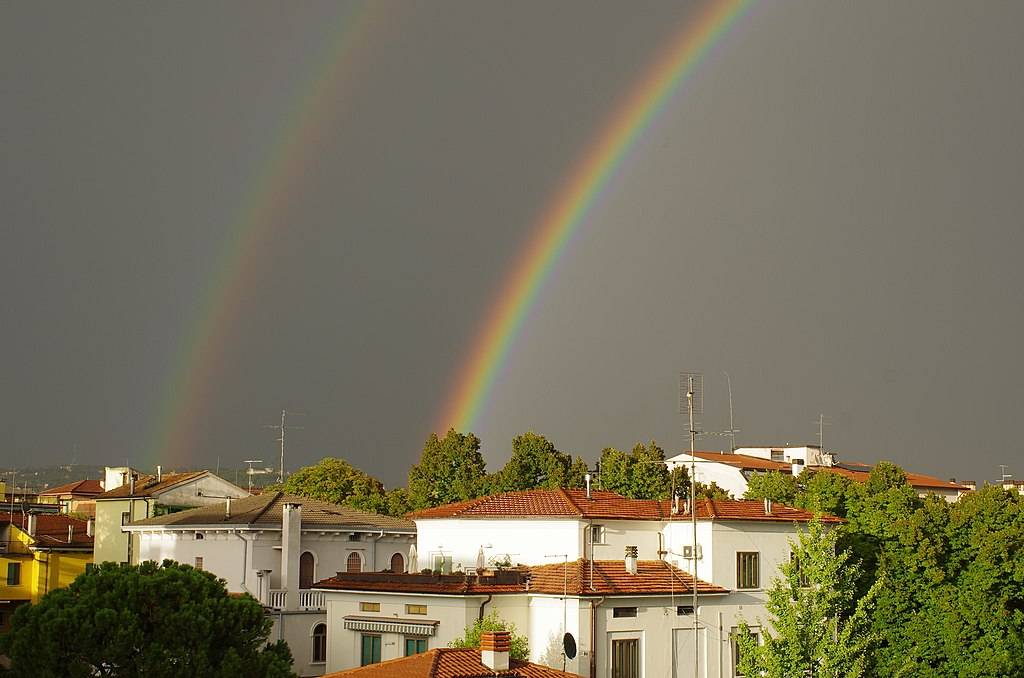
569 645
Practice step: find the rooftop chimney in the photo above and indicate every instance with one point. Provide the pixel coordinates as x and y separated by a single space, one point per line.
675 504
587 478
767 506
631 552
159 473
227 508
131 484
31 525
71 533
494 650
89 525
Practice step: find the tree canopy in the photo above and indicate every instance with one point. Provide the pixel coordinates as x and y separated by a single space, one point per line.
536 464
144 621
451 469
337 481
520 645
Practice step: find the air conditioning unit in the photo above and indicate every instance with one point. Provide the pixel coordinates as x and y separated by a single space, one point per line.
688 552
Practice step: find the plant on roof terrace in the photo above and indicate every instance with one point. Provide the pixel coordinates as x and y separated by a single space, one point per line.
149 620
520 645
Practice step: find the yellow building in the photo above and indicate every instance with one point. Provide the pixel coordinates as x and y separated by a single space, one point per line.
39 553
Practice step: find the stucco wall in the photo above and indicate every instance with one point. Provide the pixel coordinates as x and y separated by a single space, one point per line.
531 542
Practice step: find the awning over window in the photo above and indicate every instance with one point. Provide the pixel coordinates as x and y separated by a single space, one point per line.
412 627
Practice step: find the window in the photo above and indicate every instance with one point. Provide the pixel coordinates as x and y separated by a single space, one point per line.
683 610
747 570
624 612
354 563
199 562
778 455
371 650
319 643
415 645
397 563
13 574
597 534
124 517
200 535
369 607
355 536
415 609
736 649
626 658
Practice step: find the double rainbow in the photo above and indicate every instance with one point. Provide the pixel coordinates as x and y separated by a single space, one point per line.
571 204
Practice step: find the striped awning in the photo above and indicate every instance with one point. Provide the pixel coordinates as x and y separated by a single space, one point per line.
412 627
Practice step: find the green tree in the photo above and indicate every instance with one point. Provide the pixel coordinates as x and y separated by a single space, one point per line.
537 464
149 620
824 492
339 482
450 469
520 647
820 625
779 487
641 474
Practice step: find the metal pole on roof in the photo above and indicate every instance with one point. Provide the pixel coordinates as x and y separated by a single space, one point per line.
694 384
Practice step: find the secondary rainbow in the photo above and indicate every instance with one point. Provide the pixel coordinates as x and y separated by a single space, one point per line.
244 250
568 209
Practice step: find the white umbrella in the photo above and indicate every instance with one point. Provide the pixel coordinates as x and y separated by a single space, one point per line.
413 559
481 560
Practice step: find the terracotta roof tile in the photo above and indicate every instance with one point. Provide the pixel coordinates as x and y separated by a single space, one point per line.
80 487
52 530
742 461
609 578
268 509
860 473
448 663
608 506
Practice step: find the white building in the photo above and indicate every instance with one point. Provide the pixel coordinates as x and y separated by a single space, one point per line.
274 547
615 573
732 470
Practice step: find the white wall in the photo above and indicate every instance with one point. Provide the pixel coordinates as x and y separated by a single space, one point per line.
296 629
530 542
727 477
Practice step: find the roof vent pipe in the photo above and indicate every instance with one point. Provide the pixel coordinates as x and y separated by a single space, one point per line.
89 526
159 473
227 508
31 524
767 506
587 478
131 483
71 533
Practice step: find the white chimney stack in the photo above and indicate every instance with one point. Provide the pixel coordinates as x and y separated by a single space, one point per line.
767 506
495 649
89 526
291 543
631 554
587 478
31 524
71 533
159 473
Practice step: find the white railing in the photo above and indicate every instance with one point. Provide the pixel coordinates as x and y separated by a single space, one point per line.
308 599
311 600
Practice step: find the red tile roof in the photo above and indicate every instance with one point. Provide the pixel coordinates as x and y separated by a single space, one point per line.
86 488
52 530
603 505
606 578
147 485
448 662
860 473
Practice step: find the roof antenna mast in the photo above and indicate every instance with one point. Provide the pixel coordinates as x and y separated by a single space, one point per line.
281 428
691 388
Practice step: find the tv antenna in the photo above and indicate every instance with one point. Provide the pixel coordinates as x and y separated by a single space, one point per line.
691 402
823 421
281 429
732 427
1003 475
250 472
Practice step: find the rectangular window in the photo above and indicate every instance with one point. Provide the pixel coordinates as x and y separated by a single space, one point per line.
371 650
415 646
199 562
124 517
683 610
624 612
736 650
597 534
415 609
13 574
778 455
369 607
748 570
626 658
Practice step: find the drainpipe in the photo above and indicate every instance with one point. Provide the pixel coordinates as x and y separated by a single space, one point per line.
593 634
373 561
480 615
245 560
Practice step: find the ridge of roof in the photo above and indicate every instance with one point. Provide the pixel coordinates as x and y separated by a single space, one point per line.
75 487
146 485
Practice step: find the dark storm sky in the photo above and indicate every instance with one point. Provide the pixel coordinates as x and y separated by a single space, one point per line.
829 210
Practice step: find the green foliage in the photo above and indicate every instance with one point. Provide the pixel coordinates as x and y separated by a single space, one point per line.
451 469
823 492
337 481
537 464
151 621
520 647
779 487
820 626
641 474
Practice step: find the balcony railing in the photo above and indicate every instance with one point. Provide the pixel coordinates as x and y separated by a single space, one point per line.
308 599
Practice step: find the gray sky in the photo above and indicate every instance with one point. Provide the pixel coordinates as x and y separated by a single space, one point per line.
829 210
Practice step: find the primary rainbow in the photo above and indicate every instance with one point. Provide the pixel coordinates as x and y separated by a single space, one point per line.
573 201
259 217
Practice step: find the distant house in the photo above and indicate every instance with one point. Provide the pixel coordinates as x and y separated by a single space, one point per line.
39 553
274 546
490 659
132 496
74 497
733 470
617 574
